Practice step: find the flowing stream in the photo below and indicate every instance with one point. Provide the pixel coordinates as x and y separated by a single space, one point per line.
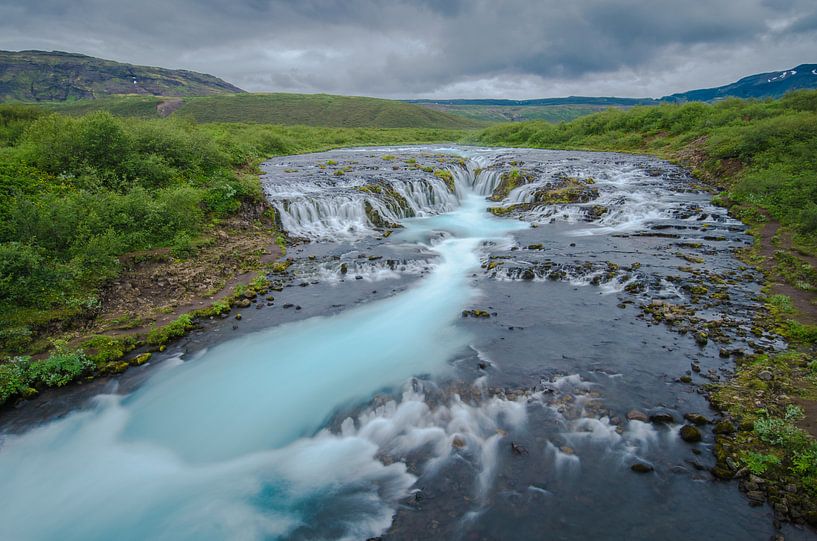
386 412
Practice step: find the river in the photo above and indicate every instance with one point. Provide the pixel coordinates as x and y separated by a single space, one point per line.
363 401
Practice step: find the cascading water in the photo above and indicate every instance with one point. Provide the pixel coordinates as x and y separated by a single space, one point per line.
225 447
404 413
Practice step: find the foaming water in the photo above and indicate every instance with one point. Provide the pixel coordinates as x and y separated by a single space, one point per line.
229 446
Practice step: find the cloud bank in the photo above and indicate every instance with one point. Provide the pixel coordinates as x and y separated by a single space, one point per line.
433 48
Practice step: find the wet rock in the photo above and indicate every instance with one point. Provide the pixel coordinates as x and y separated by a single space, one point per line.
721 472
641 467
458 442
289 305
243 303
528 274
238 316
690 434
517 449
344 268
756 497
636 415
662 418
476 313
696 419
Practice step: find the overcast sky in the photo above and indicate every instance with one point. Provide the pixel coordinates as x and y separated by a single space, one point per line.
433 48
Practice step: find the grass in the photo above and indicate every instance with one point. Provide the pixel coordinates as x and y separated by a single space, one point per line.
509 113
129 106
320 110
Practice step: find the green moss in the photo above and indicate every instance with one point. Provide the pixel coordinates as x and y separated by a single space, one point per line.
102 349
176 329
447 177
141 359
280 267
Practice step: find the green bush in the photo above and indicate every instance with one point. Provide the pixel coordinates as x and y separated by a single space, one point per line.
758 463
26 278
60 368
20 374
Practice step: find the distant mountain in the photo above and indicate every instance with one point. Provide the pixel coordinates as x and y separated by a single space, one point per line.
762 85
58 76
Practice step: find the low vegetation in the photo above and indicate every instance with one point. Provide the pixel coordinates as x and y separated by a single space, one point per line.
322 110
79 194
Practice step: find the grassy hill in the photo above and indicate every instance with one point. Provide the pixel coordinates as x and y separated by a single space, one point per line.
517 113
33 76
286 109
318 110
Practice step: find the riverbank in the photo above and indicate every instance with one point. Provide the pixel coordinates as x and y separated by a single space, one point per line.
118 233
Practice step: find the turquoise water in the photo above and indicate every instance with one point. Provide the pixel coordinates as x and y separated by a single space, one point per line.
228 446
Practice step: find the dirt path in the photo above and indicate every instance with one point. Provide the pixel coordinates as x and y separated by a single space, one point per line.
804 301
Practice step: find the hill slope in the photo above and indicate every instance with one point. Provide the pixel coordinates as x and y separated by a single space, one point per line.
318 110
288 109
59 76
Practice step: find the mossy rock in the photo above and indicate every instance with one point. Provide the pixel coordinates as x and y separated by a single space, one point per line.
115 367
141 359
690 434
280 267
476 313
447 177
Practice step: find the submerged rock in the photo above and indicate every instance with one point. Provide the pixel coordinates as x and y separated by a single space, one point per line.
641 467
690 434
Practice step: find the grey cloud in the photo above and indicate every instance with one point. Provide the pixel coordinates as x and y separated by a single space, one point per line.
408 48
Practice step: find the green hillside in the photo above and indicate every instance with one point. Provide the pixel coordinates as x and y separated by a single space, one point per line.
318 110
506 113
285 109
34 76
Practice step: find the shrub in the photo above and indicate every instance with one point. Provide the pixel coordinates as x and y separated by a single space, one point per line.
60 368
758 463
